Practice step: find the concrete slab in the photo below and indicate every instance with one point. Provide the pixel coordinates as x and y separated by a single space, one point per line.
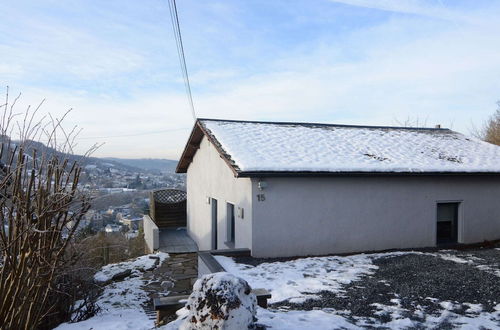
176 240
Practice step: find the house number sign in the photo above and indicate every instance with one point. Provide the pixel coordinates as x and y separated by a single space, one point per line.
261 197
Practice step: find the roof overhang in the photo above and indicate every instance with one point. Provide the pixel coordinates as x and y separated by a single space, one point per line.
193 145
262 174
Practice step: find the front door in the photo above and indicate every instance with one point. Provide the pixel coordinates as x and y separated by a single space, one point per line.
447 223
214 223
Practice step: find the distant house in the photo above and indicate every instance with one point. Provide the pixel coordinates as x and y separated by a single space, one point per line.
94 218
296 189
132 224
112 228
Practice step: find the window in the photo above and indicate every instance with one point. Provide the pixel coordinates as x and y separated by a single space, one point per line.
230 222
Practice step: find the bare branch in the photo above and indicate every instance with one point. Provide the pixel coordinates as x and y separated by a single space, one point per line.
41 206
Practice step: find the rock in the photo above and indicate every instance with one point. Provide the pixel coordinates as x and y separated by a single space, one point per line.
167 285
121 275
153 266
220 301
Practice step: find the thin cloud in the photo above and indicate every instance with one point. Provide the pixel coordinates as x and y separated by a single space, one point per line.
362 66
434 9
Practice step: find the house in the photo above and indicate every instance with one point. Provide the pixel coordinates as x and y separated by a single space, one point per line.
131 223
112 228
297 189
94 218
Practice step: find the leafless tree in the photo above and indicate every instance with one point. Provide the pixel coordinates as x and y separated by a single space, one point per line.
411 122
490 131
40 208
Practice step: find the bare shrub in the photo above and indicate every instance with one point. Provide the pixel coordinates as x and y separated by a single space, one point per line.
102 249
410 122
77 292
41 206
74 297
490 131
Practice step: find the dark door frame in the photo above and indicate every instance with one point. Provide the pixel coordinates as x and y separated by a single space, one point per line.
213 203
455 236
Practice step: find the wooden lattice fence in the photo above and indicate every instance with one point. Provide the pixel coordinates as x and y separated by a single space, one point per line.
168 208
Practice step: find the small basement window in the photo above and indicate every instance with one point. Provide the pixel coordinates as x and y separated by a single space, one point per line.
230 222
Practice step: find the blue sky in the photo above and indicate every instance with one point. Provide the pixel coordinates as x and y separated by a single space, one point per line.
347 61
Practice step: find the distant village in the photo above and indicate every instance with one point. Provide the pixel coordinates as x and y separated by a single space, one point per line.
120 196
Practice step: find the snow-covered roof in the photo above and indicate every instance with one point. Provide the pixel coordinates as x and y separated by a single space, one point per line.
255 147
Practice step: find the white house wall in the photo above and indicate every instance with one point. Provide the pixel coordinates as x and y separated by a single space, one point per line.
208 176
316 216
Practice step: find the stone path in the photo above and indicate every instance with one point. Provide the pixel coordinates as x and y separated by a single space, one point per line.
175 276
176 240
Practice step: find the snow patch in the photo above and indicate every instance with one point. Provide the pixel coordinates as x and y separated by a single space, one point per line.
121 302
298 279
302 320
142 264
451 257
489 269
472 260
124 319
474 308
475 317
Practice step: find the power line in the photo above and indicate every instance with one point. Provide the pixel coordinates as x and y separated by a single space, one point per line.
180 51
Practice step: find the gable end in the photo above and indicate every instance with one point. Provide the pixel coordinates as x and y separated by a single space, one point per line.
193 145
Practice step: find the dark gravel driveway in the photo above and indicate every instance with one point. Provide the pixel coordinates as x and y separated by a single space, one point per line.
419 287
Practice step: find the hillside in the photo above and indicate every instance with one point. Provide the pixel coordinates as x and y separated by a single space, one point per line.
122 164
153 164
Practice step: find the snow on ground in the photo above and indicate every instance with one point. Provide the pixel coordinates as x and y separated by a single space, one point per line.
330 319
489 269
121 302
300 279
474 317
297 279
336 148
142 263
471 260
454 258
302 320
291 320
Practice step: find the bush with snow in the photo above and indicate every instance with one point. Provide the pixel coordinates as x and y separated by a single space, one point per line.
220 301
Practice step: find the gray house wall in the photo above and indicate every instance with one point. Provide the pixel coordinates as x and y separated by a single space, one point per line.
208 176
316 216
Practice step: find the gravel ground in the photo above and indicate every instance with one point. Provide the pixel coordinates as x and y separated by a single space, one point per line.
416 285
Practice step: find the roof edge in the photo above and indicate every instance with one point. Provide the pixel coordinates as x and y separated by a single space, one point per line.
193 144
186 156
322 124
260 174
